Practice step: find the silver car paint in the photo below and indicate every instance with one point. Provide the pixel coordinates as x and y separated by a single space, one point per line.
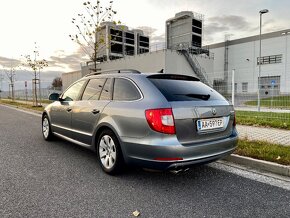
139 143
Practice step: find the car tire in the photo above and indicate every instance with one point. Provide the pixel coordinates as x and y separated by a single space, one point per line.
46 128
109 153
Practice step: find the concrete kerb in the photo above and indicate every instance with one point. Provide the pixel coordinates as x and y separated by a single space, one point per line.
23 109
259 164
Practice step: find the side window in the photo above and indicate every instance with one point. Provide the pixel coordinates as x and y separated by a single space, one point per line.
106 92
73 92
125 90
93 89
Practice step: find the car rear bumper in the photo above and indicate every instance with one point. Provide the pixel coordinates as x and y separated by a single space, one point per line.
145 155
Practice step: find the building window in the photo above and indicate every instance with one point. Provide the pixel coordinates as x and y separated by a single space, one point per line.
272 59
244 87
236 87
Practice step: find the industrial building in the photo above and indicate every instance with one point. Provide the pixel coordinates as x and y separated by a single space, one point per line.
213 64
185 29
242 55
183 52
119 41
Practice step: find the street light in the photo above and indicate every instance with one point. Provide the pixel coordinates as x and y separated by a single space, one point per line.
259 77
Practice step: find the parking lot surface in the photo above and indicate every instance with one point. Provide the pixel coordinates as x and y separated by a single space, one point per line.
60 179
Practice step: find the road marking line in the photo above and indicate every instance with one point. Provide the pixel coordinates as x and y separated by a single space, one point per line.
250 173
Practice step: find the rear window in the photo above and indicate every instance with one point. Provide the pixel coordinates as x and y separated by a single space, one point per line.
184 88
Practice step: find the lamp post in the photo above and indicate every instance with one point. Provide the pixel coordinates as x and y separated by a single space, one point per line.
264 11
286 51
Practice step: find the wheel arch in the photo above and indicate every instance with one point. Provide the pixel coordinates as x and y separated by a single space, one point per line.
101 128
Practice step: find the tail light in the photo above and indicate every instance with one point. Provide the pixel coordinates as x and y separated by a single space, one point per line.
161 120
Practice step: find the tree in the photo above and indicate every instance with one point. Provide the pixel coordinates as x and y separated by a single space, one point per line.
89 35
57 82
35 65
11 77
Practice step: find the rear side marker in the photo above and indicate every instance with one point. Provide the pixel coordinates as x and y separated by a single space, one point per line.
168 158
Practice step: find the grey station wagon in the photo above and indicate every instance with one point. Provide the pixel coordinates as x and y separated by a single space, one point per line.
152 120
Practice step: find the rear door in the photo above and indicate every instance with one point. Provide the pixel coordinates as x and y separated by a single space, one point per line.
201 114
87 111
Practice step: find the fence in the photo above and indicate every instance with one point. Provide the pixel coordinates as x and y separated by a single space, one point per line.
28 94
270 108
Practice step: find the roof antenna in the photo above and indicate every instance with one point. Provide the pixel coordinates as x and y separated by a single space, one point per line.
161 71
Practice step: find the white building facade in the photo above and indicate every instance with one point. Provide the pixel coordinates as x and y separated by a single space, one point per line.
242 55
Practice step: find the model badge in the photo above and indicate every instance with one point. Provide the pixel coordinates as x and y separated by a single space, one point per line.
213 110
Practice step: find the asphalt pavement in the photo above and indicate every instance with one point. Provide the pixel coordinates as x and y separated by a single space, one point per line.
60 179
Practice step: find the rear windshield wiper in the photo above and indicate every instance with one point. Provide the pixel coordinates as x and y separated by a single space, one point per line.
198 96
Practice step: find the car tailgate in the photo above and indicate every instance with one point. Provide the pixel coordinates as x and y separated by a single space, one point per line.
188 115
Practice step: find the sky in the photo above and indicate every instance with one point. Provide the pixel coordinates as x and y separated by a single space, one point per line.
48 23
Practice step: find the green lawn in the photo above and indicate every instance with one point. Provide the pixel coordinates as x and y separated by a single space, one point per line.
43 101
275 102
266 119
21 105
264 151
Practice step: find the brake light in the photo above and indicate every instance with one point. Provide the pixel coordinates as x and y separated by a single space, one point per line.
161 120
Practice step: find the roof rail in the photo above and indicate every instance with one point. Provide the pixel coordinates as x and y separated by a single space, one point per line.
114 71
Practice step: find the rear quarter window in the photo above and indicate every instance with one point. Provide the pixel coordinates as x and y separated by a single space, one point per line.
184 88
125 90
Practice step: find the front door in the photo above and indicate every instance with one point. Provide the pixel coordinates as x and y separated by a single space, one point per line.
61 110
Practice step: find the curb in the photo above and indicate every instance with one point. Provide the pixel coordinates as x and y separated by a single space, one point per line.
259 164
22 109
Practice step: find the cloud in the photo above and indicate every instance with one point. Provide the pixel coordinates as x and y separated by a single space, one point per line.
9 62
147 29
153 33
232 21
168 4
64 61
216 27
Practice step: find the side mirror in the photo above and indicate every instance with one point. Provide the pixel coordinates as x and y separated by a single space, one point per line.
53 97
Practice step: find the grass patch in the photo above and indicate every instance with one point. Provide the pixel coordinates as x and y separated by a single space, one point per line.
275 102
265 119
21 105
43 101
264 151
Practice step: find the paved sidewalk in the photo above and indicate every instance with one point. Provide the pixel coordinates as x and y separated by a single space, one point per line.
263 109
277 136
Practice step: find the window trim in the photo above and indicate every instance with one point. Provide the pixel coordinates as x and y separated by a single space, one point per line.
245 84
81 90
111 89
130 80
81 96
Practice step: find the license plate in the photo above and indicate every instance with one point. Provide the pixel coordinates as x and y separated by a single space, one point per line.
210 124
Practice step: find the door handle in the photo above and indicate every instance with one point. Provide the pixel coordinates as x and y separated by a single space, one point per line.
95 111
68 109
